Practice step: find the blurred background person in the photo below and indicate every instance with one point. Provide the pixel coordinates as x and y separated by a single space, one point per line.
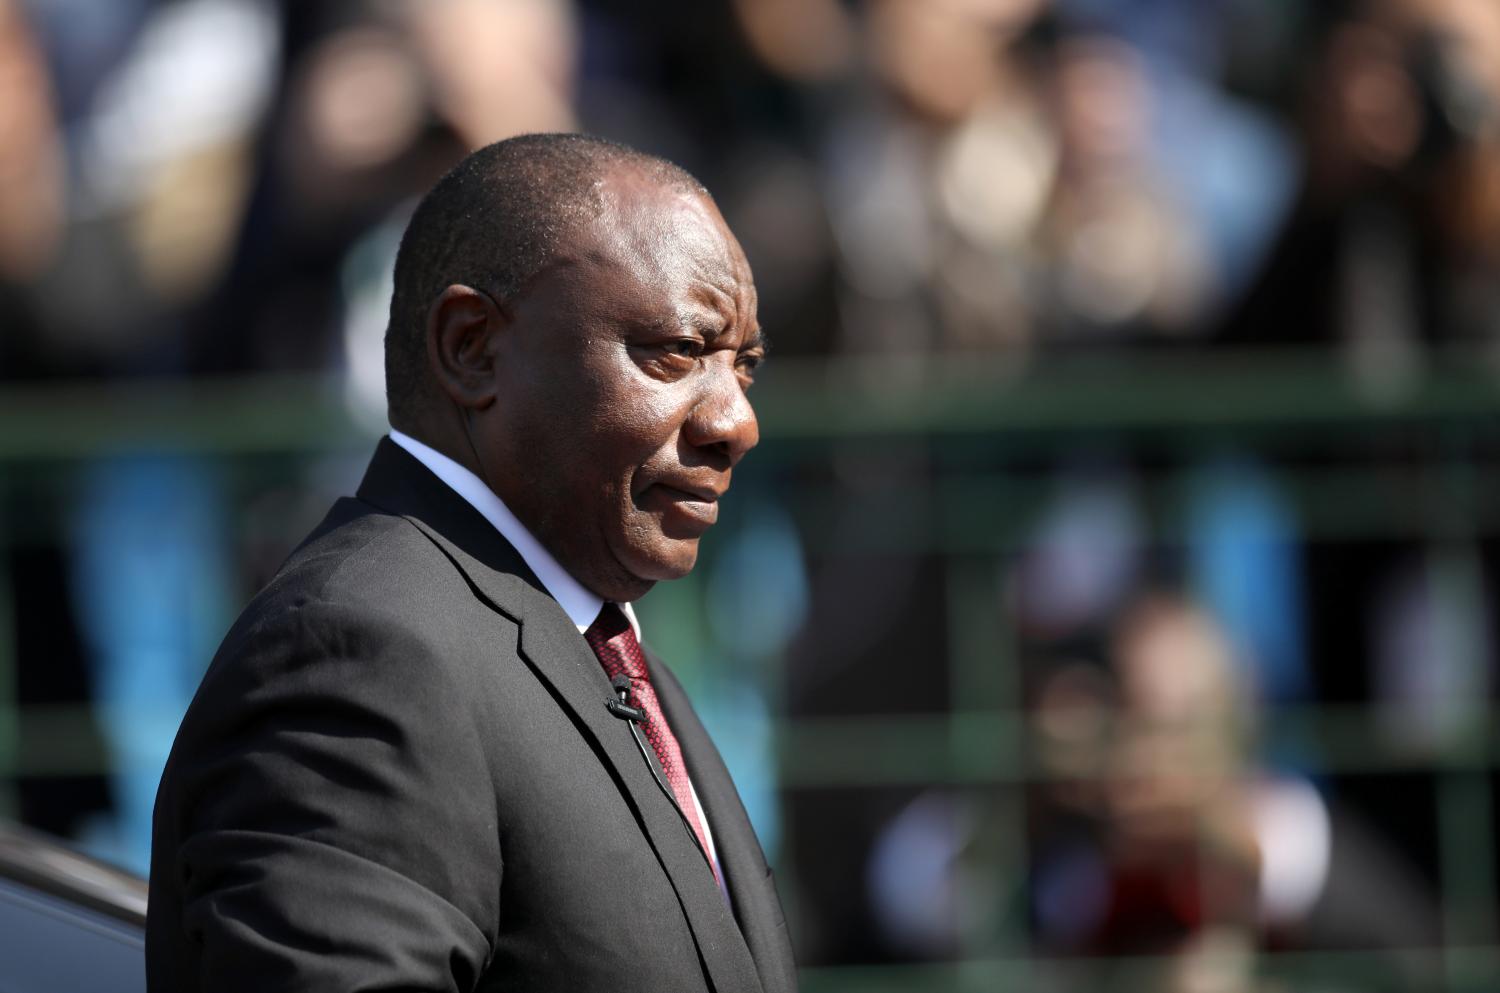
1178 842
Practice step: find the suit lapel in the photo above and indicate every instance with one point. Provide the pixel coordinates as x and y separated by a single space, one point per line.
757 907
551 646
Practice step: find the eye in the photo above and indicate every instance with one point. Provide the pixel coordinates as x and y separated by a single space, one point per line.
747 363
687 348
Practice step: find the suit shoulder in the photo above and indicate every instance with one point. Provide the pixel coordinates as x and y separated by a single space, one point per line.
364 582
355 544
362 559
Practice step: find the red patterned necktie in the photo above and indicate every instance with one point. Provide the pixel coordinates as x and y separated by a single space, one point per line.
613 640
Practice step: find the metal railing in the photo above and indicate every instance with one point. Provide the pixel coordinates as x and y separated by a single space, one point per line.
1406 459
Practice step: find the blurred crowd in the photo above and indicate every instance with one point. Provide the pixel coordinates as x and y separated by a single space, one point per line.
192 188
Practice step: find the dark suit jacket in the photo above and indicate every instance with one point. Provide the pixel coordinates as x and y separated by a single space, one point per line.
399 774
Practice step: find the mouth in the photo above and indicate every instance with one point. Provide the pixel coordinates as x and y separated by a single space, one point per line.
685 506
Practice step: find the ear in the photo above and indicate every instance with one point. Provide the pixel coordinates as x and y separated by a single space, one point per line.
463 325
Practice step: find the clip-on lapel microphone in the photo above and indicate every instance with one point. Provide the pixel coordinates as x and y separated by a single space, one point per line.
621 708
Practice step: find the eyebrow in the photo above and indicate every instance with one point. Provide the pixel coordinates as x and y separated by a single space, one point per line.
701 322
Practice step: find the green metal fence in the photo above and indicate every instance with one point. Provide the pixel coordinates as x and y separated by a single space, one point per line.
1409 460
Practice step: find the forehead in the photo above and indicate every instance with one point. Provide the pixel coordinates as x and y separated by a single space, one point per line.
666 235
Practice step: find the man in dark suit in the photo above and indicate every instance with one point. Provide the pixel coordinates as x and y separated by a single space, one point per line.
431 754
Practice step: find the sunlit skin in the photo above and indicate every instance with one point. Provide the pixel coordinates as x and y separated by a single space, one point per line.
606 404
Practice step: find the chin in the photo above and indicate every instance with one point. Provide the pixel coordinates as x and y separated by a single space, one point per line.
664 559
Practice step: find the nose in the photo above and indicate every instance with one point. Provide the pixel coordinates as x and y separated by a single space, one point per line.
722 420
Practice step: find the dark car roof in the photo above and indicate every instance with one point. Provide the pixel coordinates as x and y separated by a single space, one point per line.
34 861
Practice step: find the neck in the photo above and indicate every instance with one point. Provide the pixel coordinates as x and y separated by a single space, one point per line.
445 432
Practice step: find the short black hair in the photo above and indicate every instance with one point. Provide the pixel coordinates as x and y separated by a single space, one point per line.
494 222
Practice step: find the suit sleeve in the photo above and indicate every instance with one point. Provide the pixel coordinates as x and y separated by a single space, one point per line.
337 819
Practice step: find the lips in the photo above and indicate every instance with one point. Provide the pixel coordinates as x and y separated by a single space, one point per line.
690 506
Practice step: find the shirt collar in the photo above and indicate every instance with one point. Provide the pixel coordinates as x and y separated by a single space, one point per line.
577 601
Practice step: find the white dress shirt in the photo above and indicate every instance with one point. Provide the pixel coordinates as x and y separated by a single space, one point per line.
580 604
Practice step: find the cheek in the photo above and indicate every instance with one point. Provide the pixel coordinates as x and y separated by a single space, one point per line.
603 421
632 429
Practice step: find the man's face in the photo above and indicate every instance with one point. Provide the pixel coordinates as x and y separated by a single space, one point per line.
621 379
